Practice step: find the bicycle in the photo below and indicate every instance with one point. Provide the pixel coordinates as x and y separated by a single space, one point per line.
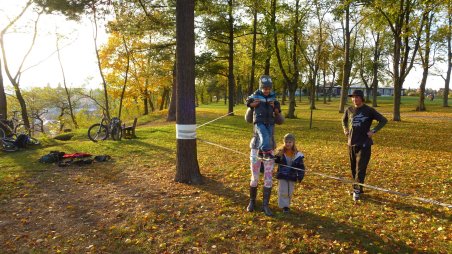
9 144
106 128
9 128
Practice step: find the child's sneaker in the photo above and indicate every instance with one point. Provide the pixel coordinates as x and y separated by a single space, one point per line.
361 192
286 210
356 194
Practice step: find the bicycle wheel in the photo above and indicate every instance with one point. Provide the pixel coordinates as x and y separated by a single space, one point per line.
21 129
8 145
2 134
97 132
116 133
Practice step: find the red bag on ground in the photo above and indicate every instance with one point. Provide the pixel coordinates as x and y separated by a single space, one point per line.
76 155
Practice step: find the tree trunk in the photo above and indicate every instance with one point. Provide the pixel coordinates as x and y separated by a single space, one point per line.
330 91
312 92
167 100
15 80
363 75
41 124
164 96
376 60
421 103
402 62
3 101
125 78
239 97
253 52
201 95
396 106
317 89
291 109
449 56
324 86
284 93
425 63
347 65
145 105
23 105
60 118
68 92
172 108
231 81
292 82
99 65
187 168
146 82
374 93
151 104
267 66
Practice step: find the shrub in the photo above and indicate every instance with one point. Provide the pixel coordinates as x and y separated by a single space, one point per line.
64 137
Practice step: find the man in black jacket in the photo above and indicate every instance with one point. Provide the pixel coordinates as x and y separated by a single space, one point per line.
357 121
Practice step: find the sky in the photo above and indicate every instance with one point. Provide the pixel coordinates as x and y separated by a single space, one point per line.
78 56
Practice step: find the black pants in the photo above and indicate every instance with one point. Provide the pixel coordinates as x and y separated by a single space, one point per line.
359 158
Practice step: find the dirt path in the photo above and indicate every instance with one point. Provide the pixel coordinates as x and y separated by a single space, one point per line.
74 209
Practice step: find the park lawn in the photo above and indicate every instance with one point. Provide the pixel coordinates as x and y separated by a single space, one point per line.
132 204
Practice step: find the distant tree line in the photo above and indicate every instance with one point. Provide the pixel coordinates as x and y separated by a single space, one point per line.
302 44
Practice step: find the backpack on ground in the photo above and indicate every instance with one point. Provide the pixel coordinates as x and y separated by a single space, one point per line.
22 141
53 156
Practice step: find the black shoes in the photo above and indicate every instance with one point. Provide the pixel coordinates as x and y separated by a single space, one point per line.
356 195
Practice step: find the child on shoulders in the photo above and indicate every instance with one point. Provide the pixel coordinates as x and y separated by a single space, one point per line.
265 106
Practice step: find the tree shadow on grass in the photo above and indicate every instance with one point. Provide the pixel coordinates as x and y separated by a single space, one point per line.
331 230
406 207
27 159
137 142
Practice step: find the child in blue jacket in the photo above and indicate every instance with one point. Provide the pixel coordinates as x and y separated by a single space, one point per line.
265 107
288 155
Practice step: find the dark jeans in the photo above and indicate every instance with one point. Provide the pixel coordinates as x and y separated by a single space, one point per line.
359 158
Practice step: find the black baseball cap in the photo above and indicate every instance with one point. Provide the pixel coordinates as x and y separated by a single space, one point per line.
357 93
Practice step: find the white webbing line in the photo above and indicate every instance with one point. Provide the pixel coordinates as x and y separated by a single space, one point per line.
199 126
401 194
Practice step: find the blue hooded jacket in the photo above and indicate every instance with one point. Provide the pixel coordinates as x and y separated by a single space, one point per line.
263 113
289 173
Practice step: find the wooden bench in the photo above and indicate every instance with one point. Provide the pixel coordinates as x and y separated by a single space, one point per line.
129 131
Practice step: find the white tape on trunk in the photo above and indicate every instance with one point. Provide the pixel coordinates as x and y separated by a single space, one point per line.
186 131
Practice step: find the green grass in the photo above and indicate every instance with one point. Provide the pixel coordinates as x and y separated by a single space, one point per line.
132 204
